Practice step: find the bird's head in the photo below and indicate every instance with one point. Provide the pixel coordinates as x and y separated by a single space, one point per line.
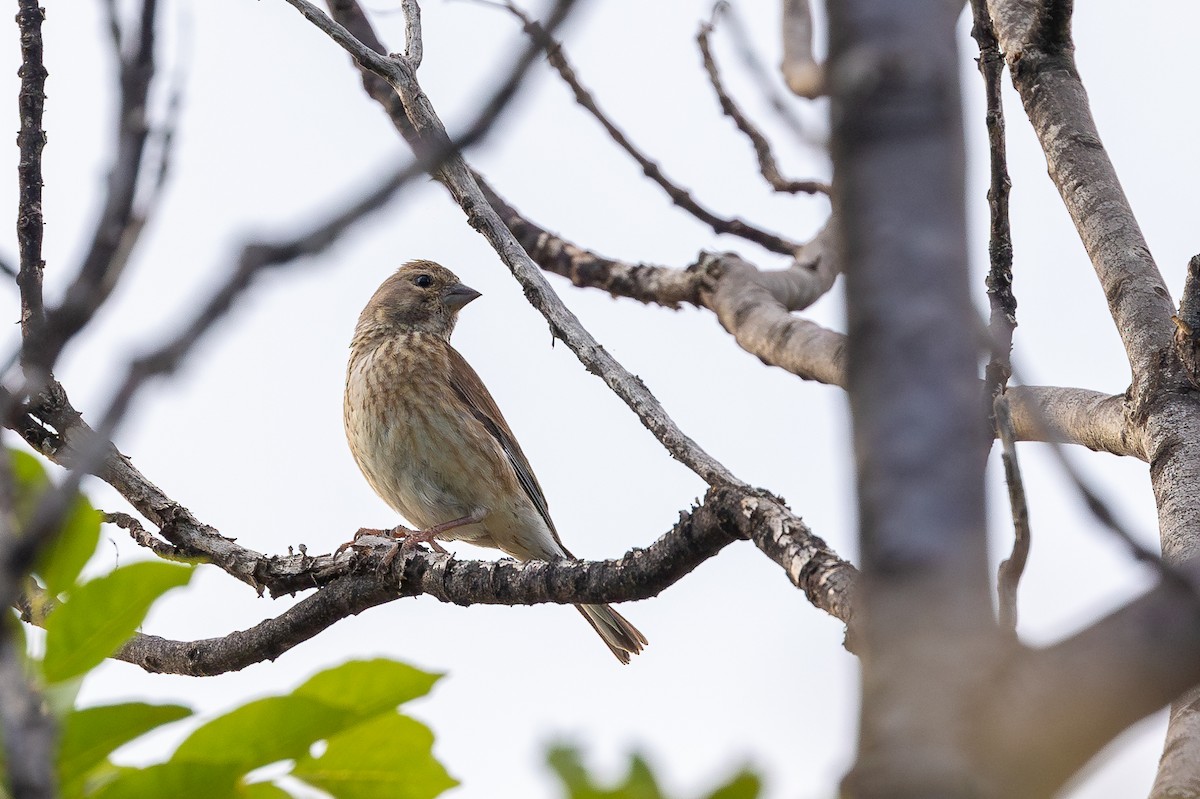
421 297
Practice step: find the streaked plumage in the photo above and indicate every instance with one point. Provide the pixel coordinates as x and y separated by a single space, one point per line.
430 440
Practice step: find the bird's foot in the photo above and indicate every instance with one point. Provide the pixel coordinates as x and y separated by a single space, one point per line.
367 532
408 540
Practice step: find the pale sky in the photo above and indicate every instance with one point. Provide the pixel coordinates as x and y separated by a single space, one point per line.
740 668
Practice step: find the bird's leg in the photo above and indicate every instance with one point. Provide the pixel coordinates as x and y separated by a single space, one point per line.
429 535
411 538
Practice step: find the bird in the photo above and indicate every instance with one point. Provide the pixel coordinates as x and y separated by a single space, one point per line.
432 443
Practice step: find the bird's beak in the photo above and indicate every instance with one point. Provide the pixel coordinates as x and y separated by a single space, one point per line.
458 295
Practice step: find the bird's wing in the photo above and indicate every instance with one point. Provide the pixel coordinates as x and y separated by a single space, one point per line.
471 390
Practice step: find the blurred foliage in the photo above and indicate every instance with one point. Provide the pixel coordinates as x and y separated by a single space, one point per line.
339 732
639 783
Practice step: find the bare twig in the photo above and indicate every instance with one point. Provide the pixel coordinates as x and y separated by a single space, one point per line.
145 538
1009 576
765 79
30 141
1003 303
767 165
114 234
801 72
679 196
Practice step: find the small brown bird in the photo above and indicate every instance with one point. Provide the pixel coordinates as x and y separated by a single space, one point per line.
430 440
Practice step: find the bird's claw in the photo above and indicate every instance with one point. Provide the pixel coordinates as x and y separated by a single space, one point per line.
404 540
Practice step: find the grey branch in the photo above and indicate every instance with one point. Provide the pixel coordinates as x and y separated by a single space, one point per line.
1036 43
1035 38
800 69
418 115
31 139
1011 568
725 516
118 227
679 196
767 165
1187 324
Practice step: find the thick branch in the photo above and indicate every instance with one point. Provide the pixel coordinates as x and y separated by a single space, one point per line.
1059 702
726 515
1075 416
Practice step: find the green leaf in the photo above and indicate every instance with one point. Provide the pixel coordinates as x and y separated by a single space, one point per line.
262 790
102 614
91 734
640 783
328 703
744 785
60 696
60 564
172 779
237 739
31 480
566 762
389 756
368 686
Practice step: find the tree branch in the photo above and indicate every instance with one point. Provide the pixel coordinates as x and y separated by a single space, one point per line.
117 228
726 515
1035 38
767 166
1008 578
459 180
801 72
30 141
1003 303
679 196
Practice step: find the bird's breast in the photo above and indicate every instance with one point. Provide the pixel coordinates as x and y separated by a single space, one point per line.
419 447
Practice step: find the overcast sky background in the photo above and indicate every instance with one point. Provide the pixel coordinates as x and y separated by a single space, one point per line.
741 669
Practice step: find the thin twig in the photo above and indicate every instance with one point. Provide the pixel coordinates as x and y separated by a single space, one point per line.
765 79
94 447
1008 578
115 230
767 165
679 196
143 537
414 47
30 140
1003 302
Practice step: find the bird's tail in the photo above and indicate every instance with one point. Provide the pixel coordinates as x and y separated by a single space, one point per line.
621 637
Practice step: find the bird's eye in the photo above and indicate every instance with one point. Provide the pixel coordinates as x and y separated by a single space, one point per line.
423 281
